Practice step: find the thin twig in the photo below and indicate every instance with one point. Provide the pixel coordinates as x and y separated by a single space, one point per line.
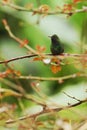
71 96
18 58
53 78
65 55
21 42
11 84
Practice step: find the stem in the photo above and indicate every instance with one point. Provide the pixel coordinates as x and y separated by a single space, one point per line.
36 11
65 55
53 78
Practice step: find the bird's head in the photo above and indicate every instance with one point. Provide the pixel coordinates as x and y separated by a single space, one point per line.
54 38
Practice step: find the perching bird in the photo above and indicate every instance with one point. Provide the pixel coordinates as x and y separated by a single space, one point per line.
56 46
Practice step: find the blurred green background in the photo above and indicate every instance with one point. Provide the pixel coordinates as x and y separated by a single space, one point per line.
36 29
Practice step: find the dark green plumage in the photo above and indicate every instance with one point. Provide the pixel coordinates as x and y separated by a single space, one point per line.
56 46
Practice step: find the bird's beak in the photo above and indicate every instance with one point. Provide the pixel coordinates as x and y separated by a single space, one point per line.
49 36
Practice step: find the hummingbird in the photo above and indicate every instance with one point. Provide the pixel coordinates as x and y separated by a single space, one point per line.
56 46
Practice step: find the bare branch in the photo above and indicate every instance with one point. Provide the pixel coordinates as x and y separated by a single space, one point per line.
64 55
17 58
71 97
46 110
21 42
53 78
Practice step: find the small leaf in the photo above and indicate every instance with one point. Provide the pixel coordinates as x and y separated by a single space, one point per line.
6 1
5 73
76 1
40 49
4 22
67 7
33 84
8 71
55 68
18 73
78 74
37 59
55 60
25 42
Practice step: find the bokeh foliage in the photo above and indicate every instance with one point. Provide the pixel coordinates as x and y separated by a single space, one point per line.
36 28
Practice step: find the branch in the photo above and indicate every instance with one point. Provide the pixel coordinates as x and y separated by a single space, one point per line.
21 42
53 78
11 84
64 55
37 11
17 58
71 96
46 110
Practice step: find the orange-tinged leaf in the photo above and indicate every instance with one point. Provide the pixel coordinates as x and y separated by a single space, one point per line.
55 60
78 74
4 22
55 68
25 42
40 49
33 84
5 73
37 59
8 71
6 1
39 123
2 75
67 7
18 73
76 1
